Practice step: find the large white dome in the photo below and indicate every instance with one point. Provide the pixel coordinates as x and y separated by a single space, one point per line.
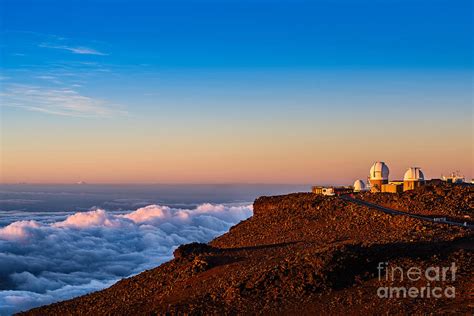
359 185
414 174
379 171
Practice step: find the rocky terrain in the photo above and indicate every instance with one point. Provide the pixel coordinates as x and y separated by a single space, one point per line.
303 253
454 202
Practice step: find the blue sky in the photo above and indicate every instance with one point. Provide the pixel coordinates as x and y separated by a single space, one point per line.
247 70
254 34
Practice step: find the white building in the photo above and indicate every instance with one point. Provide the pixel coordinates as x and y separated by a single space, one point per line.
359 186
455 177
413 178
378 175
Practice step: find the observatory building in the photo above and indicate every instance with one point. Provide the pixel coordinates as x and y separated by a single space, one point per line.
455 177
378 182
359 186
413 178
378 176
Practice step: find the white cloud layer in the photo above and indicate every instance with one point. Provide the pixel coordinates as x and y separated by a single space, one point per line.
48 261
58 101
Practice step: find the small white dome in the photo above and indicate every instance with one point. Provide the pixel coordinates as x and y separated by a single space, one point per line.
359 185
379 171
414 174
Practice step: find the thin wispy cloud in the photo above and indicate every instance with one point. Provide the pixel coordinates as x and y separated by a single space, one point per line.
46 77
53 41
60 101
33 34
74 49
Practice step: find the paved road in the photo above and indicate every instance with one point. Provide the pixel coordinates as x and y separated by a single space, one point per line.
387 210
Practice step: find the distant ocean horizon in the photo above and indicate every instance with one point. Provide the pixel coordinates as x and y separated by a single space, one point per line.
59 241
119 197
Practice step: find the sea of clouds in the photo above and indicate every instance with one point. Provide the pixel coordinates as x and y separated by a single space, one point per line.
56 258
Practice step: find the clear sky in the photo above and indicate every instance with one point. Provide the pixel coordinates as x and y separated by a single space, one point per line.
234 91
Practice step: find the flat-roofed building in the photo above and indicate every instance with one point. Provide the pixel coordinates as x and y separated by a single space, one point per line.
330 190
393 187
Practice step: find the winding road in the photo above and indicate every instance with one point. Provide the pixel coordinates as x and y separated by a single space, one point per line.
348 198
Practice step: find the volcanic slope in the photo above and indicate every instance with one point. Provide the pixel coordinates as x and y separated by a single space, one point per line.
298 253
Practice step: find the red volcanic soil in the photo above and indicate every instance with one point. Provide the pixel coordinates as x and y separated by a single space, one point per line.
299 253
453 201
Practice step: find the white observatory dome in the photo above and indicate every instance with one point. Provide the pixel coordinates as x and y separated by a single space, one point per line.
379 171
414 174
359 185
